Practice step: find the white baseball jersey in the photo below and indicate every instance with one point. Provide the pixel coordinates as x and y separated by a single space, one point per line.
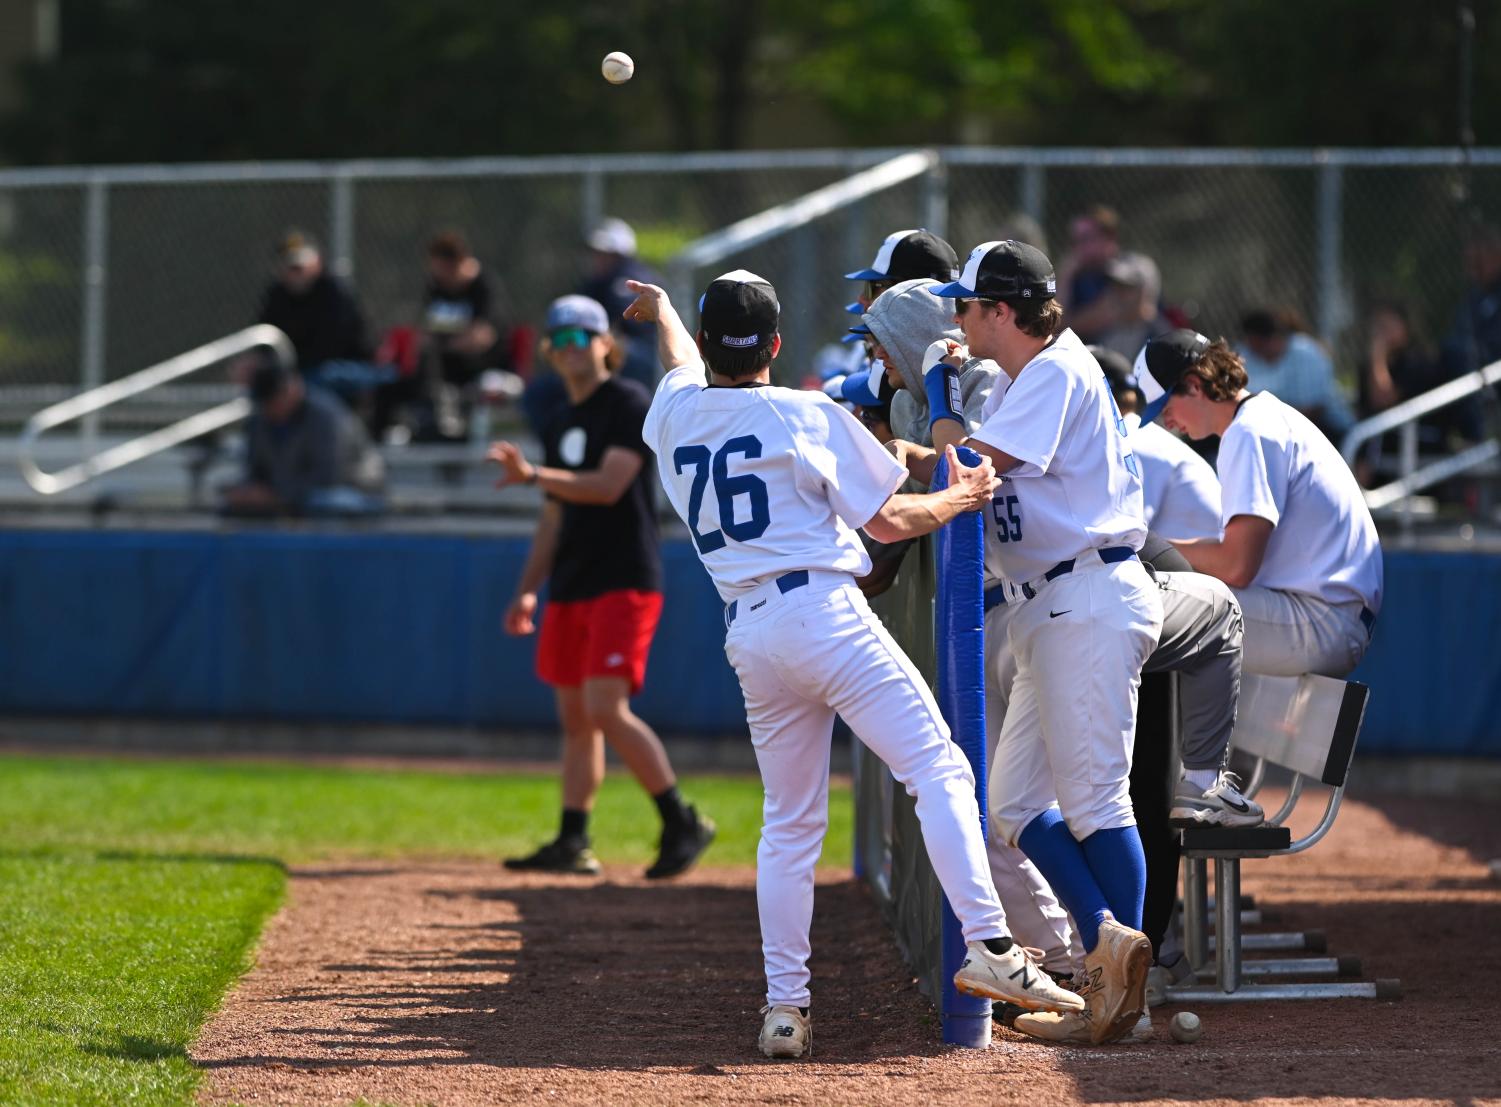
769 480
1078 487
1180 493
1278 466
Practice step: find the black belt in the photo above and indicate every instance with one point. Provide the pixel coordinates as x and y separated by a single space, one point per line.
798 578
995 595
1110 555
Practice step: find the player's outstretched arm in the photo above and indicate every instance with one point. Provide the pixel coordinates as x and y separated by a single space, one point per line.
675 346
521 612
920 460
911 515
600 486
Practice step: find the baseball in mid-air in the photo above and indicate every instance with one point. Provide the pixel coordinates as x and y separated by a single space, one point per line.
1185 1027
617 67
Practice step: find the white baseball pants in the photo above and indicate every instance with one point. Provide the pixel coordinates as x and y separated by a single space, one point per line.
1071 723
801 657
1036 917
1290 633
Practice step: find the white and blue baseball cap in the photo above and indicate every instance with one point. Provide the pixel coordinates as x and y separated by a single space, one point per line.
1003 270
858 389
905 255
577 311
1161 365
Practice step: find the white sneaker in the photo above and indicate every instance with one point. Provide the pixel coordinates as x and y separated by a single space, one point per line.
1221 805
786 1032
1162 977
1014 977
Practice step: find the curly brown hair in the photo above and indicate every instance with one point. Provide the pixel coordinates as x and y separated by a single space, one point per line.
1220 372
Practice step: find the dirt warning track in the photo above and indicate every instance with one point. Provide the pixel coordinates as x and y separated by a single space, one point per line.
459 984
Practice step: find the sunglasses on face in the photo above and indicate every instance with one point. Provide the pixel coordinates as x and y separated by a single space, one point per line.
564 337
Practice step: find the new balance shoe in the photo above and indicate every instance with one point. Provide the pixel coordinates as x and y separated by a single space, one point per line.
682 844
786 1032
559 856
1115 981
1012 977
1161 977
1075 1027
1221 805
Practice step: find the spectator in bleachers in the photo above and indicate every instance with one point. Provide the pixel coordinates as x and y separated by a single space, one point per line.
1280 357
460 336
315 310
1474 338
612 262
305 453
1110 297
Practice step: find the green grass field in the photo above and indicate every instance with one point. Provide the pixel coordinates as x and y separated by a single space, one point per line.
134 890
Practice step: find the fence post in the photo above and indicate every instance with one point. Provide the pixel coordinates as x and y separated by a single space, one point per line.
341 223
593 209
1034 192
1331 205
95 276
935 198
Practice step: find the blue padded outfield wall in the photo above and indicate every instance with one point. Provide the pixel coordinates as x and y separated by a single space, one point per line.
316 627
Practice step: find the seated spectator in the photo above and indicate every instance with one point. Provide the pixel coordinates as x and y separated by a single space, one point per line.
316 311
305 453
1109 296
1280 358
612 262
1474 338
460 337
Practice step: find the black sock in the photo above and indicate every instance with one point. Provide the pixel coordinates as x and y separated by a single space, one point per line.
575 826
999 946
671 807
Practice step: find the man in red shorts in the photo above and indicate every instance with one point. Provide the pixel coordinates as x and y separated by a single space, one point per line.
596 547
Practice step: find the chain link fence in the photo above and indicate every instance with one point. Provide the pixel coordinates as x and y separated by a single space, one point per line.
103 272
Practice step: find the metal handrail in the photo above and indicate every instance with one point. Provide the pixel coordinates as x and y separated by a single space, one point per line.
765 225
146 445
1404 418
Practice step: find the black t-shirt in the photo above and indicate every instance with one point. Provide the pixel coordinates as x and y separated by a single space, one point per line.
323 322
605 548
450 312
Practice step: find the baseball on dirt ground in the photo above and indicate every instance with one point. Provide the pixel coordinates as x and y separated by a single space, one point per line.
1186 1027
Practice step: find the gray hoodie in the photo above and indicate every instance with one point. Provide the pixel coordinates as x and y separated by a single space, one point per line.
906 319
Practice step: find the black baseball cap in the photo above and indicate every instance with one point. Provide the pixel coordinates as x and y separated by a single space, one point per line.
1008 270
906 255
1162 363
1117 369
739 311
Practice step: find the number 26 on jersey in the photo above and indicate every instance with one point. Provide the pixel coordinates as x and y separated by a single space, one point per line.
715 464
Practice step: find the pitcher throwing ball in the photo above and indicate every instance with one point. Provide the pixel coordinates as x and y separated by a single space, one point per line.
772 483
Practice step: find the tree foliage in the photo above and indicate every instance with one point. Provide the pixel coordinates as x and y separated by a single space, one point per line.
183 80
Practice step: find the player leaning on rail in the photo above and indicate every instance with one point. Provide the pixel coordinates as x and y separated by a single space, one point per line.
772 483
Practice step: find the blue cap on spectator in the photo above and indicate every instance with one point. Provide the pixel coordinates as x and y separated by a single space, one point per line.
855 308
577 311
857 389
861 329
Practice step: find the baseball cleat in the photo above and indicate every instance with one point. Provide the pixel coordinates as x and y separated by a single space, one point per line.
559 856
681 846
1013 977
1074 1028
1221 805
1162 977
1115 981
786 1032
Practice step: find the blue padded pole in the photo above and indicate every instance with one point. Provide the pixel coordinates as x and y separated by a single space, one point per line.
959 634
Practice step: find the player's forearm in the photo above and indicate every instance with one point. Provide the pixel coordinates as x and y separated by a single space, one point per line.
912 515
1219 559
590 486
675 346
